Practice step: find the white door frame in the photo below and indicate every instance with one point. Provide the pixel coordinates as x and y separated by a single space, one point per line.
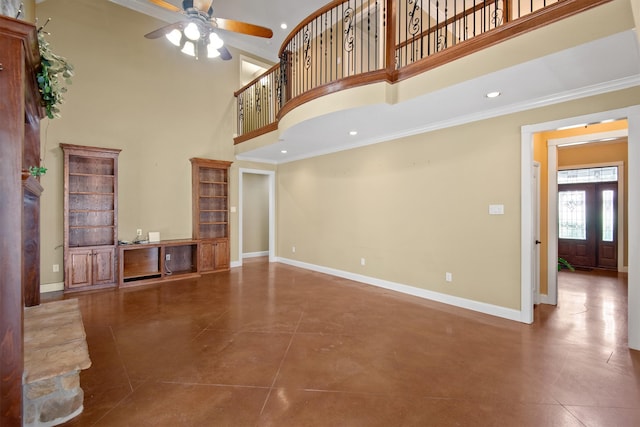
272 209
633 233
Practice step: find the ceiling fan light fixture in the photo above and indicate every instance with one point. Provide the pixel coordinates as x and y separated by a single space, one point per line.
212 52
191 31
215 41
189 48
174 37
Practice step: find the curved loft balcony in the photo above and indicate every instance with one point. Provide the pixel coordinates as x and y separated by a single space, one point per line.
389 68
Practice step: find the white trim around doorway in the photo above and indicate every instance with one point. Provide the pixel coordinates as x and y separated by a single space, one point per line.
272 212
632 114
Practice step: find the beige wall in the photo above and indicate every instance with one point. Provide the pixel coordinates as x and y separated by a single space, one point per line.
143 96
417 207
255 211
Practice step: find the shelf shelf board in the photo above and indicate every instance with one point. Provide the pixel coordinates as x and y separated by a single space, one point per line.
89 193
90 210
213 210
213 223
76 227
213 182
181 272
91 175
132 274
213 197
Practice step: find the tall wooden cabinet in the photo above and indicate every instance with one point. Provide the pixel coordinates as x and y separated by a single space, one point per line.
90 217
20 115
210 185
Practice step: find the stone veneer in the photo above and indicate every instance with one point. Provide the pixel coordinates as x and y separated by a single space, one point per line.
55 351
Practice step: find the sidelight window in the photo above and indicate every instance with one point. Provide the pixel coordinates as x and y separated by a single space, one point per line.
607 215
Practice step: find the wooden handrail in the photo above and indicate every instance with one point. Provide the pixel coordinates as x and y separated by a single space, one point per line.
256 80
313 16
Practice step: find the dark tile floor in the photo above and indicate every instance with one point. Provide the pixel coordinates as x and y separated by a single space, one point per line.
273 345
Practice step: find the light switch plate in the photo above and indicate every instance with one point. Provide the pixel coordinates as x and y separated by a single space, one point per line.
496 209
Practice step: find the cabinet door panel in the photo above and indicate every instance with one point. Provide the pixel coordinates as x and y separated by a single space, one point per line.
207 256
104 266
221 255
79 268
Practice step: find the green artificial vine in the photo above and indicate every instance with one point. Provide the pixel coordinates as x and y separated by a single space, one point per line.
53 77
37 170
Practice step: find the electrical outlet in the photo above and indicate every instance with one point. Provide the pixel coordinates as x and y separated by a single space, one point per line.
56 268
139 232
293 249
363 261
448 277
167 257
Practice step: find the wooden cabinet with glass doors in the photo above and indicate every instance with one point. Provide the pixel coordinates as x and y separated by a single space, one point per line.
210 185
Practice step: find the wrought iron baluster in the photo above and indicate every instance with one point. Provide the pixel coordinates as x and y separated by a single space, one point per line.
241 113
348 30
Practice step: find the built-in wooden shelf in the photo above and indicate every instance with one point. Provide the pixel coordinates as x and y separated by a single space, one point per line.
147 263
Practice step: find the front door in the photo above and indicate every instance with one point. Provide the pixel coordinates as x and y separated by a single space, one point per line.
587 224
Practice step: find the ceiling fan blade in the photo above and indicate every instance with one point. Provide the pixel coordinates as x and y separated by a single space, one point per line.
166 5
224 53
163 30
202 5
242 27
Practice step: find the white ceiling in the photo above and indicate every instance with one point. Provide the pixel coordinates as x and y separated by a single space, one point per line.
604 65
268 14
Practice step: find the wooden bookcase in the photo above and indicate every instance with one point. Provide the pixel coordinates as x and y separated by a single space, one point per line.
90 216
210 188
147 263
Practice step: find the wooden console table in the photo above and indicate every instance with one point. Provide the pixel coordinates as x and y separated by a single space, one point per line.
144 263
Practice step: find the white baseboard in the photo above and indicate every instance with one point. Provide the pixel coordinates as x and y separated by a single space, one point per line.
481 307
235 264
255 254
51 287
545 299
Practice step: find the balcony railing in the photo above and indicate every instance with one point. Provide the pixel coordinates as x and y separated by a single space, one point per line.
354 42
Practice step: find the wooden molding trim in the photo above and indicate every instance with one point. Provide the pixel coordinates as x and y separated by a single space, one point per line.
256 133
326 89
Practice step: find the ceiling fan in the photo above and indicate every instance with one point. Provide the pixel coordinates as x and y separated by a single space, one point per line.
197 34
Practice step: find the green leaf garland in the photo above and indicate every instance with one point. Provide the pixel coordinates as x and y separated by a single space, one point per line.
53 77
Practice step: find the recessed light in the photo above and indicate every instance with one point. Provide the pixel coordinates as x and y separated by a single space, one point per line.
353 133
493 94
283 151
283 26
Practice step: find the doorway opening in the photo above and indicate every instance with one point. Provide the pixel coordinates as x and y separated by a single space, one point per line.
632 115
256 212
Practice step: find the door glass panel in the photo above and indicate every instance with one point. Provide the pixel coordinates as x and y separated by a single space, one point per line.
575 176
572 219
607 216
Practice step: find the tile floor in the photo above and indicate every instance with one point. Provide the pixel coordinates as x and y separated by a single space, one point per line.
273 345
